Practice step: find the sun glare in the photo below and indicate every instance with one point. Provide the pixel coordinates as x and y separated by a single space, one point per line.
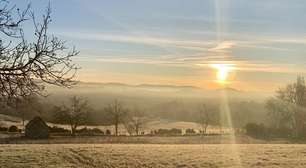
222 72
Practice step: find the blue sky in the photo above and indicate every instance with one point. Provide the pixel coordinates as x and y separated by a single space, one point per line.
176 41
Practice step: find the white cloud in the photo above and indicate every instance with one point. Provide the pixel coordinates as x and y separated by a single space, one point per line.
142 39
223 46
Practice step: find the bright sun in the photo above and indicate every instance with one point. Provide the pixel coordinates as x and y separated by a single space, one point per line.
222 72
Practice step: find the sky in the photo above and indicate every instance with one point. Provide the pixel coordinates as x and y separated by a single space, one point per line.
247 45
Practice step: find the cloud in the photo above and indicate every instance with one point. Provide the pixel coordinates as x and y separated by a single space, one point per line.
257 66
223 46
140 38
203 52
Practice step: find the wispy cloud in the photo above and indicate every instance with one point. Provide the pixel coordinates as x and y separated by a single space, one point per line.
204 52
223 46
141 39
256 66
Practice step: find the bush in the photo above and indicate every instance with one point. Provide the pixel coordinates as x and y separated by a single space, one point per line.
82 131
89 131
56 129
108 132
37 129
3 129
97 131
190 131
260 131
282 132
256 130
13 128
172 131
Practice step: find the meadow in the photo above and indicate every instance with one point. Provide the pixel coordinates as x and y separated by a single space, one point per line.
153 155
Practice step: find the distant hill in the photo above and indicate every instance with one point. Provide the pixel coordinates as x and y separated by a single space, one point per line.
148 91
229 89
148 86
167 86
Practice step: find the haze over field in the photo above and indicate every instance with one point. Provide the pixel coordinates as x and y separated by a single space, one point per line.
149 91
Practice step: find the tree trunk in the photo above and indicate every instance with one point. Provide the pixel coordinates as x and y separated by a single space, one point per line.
137 130
116 129
73 130
23 119
202 129
205 129
299 123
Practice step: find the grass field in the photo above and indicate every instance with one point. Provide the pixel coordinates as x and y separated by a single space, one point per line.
216 139
149 155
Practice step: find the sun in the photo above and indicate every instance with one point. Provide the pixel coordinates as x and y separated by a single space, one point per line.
222 72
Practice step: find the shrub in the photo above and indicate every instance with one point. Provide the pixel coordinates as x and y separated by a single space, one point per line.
89 131
3 129
82 131
190 131
108 132
256 130
97 131
13 128
56 129
172 131
282 132
37 129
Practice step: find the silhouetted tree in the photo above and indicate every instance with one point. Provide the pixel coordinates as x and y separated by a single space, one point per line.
25 66
204 118
134 121
118 112
75 114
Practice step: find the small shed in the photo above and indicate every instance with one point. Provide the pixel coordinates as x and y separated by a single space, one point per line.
37 129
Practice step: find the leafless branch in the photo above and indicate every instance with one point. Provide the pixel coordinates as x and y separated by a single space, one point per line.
25 67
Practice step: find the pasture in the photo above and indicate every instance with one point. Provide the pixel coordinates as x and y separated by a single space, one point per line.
153 155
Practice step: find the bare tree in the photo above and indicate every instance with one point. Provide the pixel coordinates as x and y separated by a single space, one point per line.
204 118
290 105
294 93
75 114
280 113
10 25
26 66
135 121
118 112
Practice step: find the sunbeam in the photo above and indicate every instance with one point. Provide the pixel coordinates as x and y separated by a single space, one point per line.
222 75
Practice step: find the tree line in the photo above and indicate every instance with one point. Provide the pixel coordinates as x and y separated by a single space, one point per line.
286 113
76 114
